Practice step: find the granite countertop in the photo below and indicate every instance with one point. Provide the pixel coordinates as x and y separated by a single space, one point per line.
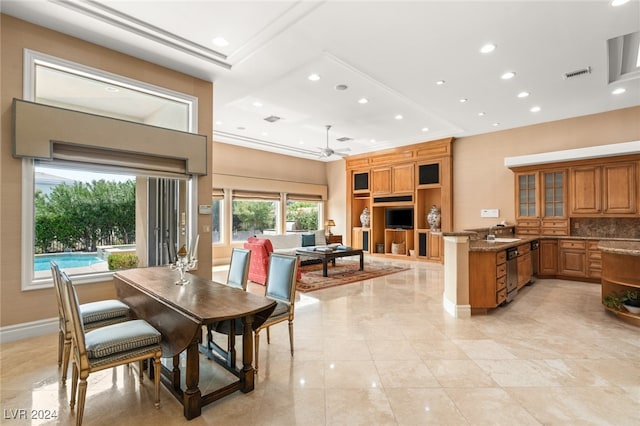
484 245
630 248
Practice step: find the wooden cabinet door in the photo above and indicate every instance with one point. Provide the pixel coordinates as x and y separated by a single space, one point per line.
572 259
554 193
434 247
356 238
524 269
620 188
381 181
402 179
527 195
548 257
586 190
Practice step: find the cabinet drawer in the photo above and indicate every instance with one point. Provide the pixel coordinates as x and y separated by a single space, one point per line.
501 257
550 223
524 249
595 256
501 296
501 270
501 283
554 231
572 244
525 231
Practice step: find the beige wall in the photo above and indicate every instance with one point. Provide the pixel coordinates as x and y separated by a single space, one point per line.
480 179
17 306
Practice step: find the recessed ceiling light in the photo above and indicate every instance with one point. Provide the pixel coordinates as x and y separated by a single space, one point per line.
615 3
523 94
399 117
363 101
257 104
481 114
301 142
219 123
535 109
314 77
265 134
425 129
496 124
111 89
508 75
372 140
220 41
488 48
440 82
619 91
463 100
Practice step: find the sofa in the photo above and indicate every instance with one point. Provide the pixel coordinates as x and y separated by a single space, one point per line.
262 246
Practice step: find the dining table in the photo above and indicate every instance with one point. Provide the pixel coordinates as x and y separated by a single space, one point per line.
179 312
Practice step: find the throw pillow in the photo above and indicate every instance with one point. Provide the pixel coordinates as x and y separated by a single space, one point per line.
308 240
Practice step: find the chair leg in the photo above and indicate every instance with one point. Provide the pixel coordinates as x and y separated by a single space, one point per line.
60 345
268 337
256 347
82 395
157 366
66 352
291 336
141 368
74 384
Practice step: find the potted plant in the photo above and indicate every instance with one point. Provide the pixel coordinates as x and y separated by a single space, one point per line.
631 301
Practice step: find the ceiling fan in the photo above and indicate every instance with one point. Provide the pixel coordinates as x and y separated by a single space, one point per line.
328 152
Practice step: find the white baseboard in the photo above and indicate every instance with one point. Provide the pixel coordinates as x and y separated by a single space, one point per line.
28 329
456 311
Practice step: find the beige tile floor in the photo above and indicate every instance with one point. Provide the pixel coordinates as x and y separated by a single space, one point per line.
383 352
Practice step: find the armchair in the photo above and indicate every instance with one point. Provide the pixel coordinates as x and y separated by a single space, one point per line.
259 264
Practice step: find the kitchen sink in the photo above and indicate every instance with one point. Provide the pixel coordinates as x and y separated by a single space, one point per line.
505 240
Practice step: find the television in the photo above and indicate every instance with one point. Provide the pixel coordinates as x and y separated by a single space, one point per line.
398 218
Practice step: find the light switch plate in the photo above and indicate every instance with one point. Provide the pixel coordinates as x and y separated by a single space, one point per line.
205 209
489 213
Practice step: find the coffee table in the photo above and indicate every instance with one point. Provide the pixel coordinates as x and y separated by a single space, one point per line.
331 255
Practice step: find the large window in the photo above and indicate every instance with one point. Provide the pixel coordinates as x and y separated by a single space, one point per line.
217 214
303 213
82 211
253 214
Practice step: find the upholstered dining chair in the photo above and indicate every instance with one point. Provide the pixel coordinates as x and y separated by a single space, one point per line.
280 287
106 347
93 314
236 277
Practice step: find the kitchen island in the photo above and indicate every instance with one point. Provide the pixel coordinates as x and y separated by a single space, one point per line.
620 273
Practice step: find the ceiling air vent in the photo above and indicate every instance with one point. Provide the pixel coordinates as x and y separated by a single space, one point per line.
576 73
272 118
344 139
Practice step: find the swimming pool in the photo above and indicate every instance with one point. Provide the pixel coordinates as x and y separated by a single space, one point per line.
65 260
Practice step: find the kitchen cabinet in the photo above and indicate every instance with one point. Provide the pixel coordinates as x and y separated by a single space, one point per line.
548 258
609 189
487 279
524 264
541 197
572 258
594 260
620 273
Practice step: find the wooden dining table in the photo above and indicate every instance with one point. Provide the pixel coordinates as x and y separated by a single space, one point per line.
179 312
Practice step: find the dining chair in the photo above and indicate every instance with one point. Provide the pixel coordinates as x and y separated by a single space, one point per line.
280 287
93 314
106 347
236 277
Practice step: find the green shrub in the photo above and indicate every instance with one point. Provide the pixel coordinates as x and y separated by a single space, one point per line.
122 261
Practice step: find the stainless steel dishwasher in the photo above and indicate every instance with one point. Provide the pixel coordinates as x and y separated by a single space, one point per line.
512 273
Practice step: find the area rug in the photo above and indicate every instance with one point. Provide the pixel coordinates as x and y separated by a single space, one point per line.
342 273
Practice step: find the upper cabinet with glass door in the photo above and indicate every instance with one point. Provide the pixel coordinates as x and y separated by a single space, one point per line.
527 210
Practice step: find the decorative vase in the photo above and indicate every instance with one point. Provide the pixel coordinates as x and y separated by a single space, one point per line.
365 218
433 218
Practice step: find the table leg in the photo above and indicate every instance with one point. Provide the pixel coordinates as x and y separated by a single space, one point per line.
362 261
175 373
247 374
324 268
192 397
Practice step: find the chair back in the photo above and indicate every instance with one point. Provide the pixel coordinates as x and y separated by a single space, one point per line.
72 310
55 273
239 268
281 280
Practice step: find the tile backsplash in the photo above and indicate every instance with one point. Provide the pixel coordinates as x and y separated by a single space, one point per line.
606 227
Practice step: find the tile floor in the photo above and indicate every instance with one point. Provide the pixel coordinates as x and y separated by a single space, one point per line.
383 352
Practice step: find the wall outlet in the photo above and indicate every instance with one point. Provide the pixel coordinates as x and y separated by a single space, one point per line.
489 213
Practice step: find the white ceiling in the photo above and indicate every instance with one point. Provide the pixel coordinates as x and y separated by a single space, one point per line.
390 52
